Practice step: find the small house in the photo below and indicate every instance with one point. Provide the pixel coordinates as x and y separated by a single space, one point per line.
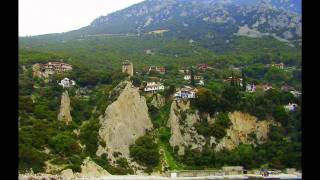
251 88
159 69
279 66
296 93
291 107
67 83
186 93
203 67
188 77
153 87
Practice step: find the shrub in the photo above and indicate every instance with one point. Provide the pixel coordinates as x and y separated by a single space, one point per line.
145 151
89 136
64 144
223 120
29 157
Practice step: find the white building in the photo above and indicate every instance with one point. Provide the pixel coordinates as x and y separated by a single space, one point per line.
186 93
188 77
251 88
66 83
291 107
295 93
153 87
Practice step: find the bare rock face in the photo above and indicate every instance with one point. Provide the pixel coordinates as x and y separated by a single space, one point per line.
67 174
176 138
64 114
243 125
36 70
182 131
125 120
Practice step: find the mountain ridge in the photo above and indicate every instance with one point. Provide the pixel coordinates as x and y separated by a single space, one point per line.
217 17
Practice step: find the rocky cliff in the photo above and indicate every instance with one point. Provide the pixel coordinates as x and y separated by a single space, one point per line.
158 101
182 131
244 129
125 120
91 169
64 113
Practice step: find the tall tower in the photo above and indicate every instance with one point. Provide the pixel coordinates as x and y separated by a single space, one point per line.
127 67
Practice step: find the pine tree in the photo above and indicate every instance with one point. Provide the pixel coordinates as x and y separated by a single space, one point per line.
232 83
192 82
244 81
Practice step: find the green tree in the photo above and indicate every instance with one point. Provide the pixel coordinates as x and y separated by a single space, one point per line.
231 98
30 157
244 81
281 115
169 91
64 144
136 81
145 151
89 136
205 101
223 120
192 81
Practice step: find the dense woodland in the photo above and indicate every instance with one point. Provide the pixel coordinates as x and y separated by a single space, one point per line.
96 67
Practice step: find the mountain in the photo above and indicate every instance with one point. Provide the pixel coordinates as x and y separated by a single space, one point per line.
185 31
216 21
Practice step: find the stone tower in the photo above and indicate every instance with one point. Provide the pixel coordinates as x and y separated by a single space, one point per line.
127 67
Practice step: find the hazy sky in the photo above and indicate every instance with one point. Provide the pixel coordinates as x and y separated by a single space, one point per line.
54 16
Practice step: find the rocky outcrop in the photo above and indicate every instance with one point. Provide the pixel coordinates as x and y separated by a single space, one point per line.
64 113
243 126
41 176
176 138
91 169
67 174
158 101
124 121
182 131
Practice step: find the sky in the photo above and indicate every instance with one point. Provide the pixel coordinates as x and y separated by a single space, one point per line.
38 17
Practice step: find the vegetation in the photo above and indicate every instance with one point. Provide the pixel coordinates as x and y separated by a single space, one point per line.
96 70
146 152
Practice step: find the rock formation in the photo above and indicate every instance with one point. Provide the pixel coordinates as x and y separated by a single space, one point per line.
64 113
91 169
243 125
125 120
67 174
182 131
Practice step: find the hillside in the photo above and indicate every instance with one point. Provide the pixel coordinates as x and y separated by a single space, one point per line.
228 74
217 128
